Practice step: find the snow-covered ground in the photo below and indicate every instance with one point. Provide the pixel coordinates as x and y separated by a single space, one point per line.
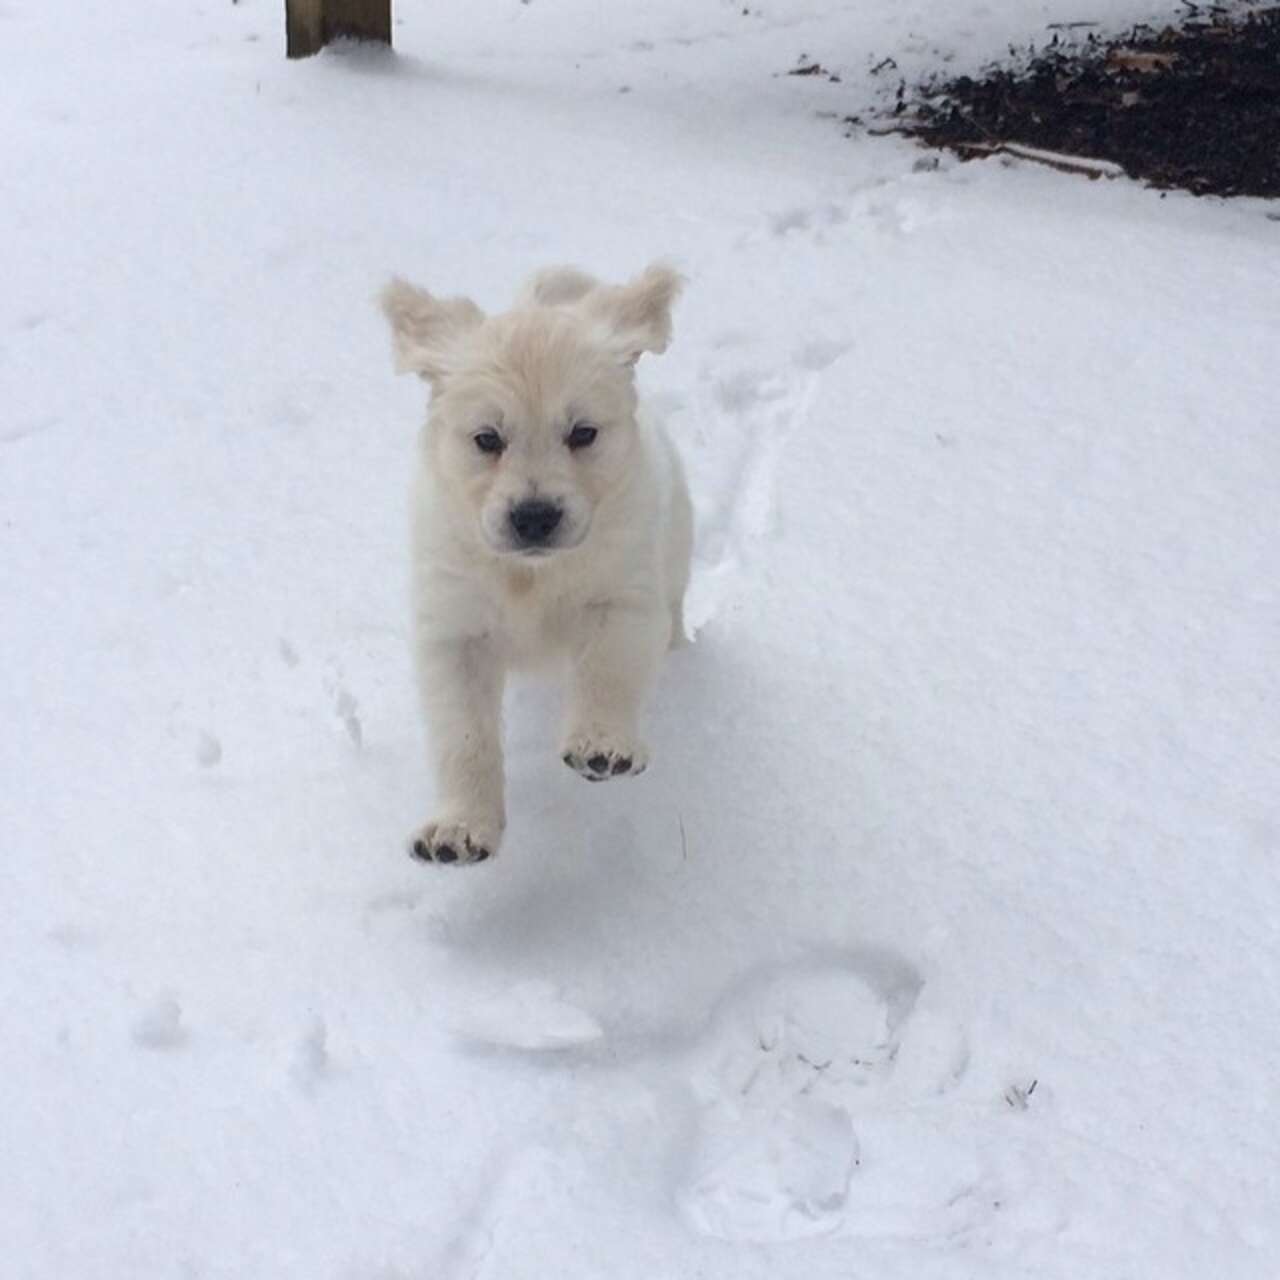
942 937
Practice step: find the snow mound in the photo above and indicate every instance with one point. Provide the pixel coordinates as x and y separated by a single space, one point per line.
530 1015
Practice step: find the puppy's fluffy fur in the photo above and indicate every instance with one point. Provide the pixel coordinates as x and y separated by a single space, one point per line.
550 520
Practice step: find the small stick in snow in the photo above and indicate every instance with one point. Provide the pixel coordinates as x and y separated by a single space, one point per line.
1054 159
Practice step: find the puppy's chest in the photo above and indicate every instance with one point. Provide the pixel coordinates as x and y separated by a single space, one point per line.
536 616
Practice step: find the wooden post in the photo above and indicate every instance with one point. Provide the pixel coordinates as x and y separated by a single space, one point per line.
304 27
312 24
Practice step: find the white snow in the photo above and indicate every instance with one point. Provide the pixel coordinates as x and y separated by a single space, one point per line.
969 785
530 1015
160 1027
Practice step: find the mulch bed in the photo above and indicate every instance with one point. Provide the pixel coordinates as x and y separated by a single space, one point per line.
1195 106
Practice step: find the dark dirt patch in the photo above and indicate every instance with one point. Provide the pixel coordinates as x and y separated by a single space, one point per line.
1195 106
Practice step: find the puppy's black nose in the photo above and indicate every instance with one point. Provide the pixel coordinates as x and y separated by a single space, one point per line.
535 521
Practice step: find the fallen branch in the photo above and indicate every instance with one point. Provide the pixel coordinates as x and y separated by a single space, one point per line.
1054 159
1086 165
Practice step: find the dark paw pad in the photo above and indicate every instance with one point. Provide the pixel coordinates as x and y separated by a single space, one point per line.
448 853
600 765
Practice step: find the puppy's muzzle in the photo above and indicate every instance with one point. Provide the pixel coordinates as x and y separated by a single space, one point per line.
534 523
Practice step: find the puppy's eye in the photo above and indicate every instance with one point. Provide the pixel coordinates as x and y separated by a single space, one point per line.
583 434
489 441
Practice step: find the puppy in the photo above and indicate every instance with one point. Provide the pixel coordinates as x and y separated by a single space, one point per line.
551 520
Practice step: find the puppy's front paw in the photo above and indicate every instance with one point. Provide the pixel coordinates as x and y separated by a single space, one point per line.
452 842
599 757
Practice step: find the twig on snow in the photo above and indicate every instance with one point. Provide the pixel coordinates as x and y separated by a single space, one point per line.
1054 159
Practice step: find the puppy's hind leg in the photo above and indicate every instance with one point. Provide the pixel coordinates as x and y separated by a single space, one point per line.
679 554
679 636
462 695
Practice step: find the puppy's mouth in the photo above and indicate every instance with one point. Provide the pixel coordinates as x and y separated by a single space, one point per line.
511 549
542 550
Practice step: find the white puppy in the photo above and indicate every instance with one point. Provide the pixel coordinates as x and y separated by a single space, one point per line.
551 520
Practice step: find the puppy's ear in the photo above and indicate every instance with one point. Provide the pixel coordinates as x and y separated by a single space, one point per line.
426 330
638 314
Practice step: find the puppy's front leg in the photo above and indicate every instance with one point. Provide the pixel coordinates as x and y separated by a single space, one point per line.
624 644
462 695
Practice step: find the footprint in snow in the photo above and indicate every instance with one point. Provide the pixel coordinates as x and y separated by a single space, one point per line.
801 1129
776 1148
347 709
208 750
819 354
817 220
345 706
819 1105
747 413
772 1175
312 1061
160 1027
